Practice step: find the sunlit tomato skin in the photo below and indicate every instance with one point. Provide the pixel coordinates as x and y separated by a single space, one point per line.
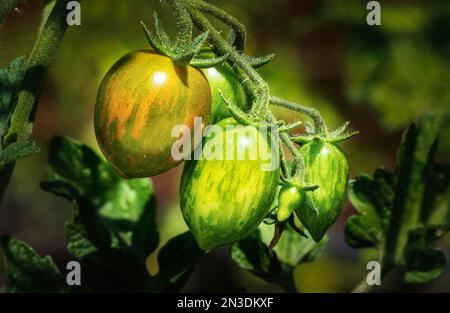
289 199
223 201
223 78
141 98
326 166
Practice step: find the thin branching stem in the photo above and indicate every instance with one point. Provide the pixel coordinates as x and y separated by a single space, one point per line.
238 27
260 89
314 114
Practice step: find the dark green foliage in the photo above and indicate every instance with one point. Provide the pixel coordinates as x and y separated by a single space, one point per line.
10 77
402 214
112 232
27 271
253 255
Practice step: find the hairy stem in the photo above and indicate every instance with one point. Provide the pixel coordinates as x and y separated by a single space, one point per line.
319 123
283 164
260 90
38 63
299 165
49 38
185 26
238 27
363 287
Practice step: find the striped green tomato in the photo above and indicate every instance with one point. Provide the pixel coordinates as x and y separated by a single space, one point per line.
225 199
326 166
141 98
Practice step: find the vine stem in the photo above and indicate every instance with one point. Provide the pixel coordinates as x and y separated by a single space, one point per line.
51 33
313 113
38 63
363 287
253 82
238 28
260 90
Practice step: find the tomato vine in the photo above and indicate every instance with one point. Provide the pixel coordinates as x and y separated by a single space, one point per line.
193 12
35 70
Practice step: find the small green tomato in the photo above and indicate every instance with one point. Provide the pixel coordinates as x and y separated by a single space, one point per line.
289 199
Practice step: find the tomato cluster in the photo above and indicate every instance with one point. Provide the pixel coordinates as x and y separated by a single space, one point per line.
145 94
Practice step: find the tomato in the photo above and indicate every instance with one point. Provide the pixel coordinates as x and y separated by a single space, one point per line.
326 166
224 200
289 198
141 98
223 78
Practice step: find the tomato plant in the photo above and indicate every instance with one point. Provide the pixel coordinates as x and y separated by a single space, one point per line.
254 185
142 97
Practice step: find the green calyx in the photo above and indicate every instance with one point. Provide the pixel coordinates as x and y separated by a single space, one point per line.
340 134
183 50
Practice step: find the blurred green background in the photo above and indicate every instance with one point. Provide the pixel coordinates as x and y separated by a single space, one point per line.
381 78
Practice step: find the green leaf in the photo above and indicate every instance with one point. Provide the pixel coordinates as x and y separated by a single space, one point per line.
424 265
78 174
176 262
358 233
17 150
253 255
414 157
114 229
402 214
109 268
27 271
372 198
10 77
293 249
78 243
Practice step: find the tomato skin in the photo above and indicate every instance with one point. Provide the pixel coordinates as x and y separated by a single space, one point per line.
223 201
139 101
223 78
289 199
326 166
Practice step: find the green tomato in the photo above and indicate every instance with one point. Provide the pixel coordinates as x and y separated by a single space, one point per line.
289 198
223 78
326 166
224 200
141 98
